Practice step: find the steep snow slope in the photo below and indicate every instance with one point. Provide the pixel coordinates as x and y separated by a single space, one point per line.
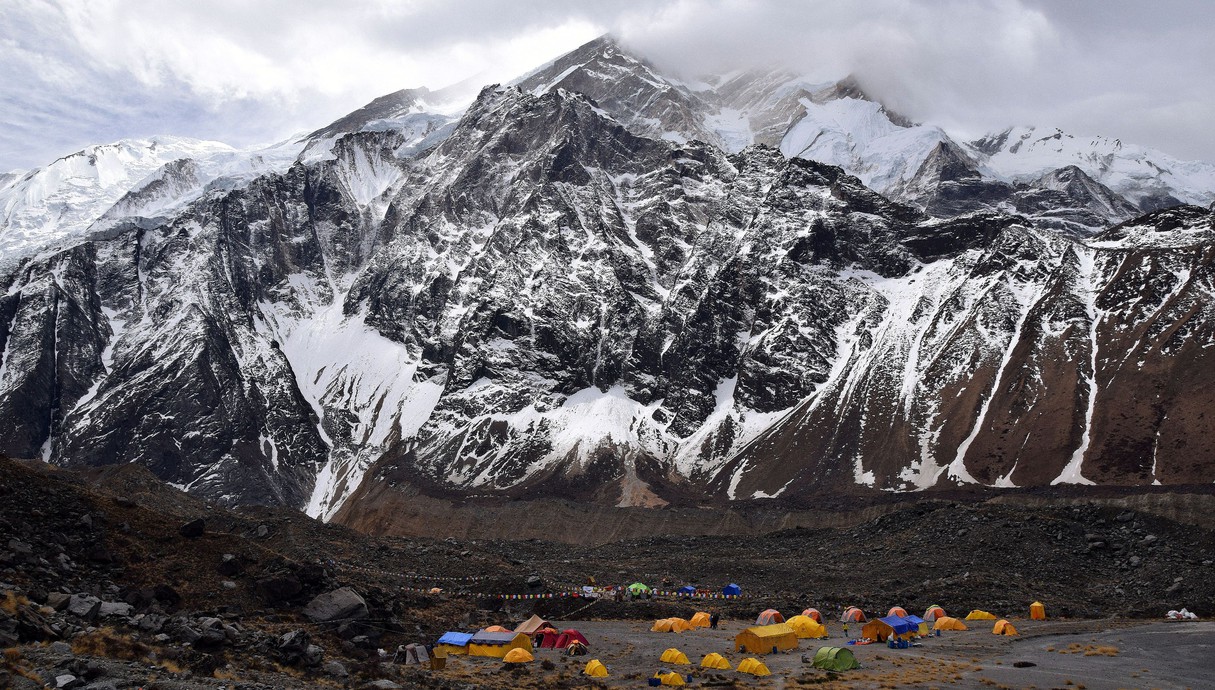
1148 178
59 201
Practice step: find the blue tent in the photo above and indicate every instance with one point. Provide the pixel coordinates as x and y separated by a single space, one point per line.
900 625
686 589
731 590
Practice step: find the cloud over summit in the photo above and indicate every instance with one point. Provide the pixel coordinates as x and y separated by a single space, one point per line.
88 71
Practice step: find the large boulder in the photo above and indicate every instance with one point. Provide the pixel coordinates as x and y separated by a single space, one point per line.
340 604
84 606
193 529
276 588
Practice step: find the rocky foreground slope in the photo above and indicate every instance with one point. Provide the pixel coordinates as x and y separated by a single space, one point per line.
111 577
596 284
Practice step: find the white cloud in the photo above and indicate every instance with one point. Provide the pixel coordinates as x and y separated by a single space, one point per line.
83 71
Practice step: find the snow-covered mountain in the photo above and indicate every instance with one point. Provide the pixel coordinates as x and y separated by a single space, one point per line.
61 200
609 283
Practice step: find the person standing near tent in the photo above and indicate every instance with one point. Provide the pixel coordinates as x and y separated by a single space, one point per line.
713 618
846 630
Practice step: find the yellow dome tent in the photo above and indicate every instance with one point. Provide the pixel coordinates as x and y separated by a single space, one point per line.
518 656
670 678
1003 627
805 627
715 660
753 666
948 623
675 625
1037 611
595 668
674 656
700 620
979 615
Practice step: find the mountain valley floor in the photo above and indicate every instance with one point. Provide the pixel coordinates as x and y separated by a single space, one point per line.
115 579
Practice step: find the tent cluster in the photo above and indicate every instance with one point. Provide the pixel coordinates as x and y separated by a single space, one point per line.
513 646
897 626
640 590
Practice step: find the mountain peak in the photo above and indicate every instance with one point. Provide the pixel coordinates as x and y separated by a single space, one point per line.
386 106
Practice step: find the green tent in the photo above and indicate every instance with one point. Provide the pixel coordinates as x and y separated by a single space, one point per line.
834 659
637 589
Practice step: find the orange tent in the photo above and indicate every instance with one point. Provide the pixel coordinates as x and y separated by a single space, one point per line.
853 615
1037 611
813 614
769 617
897 611
700 620
518 656
1003 627
934 612
676 625
497 628
947 623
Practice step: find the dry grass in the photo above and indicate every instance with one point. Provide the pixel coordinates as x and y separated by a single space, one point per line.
1102 650
108 643
12 602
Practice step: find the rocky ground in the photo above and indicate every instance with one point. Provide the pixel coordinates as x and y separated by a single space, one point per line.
110 578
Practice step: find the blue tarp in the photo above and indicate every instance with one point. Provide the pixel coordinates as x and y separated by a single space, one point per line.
686 589
901 625
458 639
917 620
731 589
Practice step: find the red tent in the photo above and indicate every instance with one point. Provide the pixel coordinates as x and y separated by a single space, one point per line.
574 636
547 639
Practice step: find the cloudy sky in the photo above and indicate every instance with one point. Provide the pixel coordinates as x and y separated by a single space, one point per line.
75 72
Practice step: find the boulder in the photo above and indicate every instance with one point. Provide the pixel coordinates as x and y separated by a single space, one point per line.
230 565
278 588
193 529
340 604
84 606
58 600
120 609
336 669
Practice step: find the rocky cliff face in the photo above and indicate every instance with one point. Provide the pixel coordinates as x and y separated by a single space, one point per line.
583 287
